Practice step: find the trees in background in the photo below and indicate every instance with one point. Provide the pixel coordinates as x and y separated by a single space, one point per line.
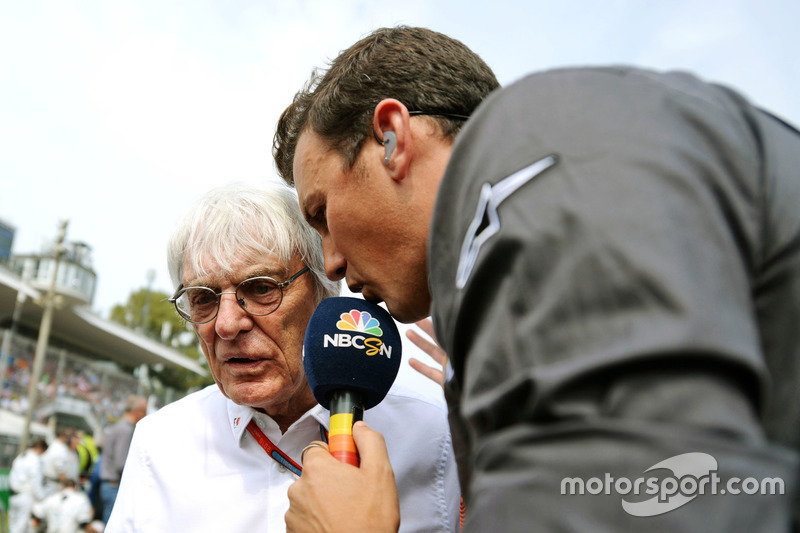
149 313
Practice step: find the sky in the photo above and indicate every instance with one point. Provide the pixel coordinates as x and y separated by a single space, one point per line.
119 115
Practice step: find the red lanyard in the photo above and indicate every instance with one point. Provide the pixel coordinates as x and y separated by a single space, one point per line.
275 452
286 461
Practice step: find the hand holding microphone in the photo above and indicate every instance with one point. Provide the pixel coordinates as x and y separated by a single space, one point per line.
332 496
352 356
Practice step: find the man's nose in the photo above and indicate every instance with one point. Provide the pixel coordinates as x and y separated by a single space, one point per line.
231 317
335 263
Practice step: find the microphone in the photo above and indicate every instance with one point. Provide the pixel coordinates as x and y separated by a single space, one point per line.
352 356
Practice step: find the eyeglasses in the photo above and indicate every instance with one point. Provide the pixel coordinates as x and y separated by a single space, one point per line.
258 296
417 113
455 116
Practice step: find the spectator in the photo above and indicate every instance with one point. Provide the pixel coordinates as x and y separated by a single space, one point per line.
26 482
116 442
60 462
67 511
87 454
94 484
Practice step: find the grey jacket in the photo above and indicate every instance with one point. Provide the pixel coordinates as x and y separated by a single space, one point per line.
615 269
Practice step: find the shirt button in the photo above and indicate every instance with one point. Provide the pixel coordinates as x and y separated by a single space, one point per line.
281 469
260 424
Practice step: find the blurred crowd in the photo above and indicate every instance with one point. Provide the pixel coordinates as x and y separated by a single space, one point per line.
55 487
104 387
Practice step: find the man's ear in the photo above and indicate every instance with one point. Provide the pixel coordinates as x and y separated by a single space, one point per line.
391 128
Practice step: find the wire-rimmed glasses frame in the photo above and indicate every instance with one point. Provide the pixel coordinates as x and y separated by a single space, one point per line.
417 113
257 296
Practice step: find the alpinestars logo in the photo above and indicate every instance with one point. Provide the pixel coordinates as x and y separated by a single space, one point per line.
487 221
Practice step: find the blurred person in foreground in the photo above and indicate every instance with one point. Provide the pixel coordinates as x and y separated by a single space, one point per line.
249 273
613 258
26 483
116 443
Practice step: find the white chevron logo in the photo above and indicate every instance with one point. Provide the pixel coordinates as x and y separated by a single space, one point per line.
490 199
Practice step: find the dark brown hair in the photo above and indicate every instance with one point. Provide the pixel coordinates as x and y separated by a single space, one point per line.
425 70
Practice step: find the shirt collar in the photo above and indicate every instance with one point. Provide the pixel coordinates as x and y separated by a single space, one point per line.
240 415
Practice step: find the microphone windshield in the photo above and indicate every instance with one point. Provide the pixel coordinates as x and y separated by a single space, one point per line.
351 344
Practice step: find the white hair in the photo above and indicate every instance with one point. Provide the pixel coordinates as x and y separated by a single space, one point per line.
239 222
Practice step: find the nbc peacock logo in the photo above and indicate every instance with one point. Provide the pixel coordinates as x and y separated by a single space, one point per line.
365 332
360 321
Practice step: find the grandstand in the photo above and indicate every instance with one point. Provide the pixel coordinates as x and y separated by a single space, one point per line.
91 366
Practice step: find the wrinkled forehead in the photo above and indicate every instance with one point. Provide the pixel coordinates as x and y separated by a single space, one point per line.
203 268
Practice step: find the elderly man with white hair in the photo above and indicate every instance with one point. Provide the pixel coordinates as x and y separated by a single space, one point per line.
249 274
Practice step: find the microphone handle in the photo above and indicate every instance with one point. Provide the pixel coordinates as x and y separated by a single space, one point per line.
347 407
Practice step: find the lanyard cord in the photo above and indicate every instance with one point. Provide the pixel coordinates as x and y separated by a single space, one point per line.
283 459
276 453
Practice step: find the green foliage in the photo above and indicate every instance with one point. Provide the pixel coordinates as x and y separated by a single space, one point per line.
161 322
159 311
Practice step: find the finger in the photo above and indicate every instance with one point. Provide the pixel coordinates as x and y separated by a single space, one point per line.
434 374
319 445
297 517
426 325
426 346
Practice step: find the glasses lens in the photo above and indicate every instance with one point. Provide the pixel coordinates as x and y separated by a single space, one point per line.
260 296
197 304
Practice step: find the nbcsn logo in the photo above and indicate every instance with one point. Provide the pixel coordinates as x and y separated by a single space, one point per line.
359 322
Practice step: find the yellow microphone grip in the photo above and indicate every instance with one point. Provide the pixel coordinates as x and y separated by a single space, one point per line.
340 438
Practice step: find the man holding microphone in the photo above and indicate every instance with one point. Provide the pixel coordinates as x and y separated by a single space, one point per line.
612 260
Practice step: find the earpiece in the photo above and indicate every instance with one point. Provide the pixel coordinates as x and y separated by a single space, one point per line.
389 142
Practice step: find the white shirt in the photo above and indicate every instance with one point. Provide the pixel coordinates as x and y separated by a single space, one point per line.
192 466
26 476
65 511
59 459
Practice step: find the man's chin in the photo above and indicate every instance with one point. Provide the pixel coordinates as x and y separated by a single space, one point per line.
250 394
402 310
406 314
